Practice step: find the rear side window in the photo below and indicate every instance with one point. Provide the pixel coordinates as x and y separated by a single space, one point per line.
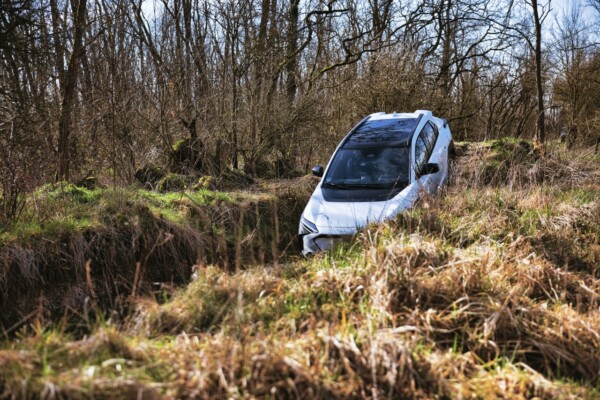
421 153
424 146
429 136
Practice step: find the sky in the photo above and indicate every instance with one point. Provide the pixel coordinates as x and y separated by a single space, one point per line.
560 6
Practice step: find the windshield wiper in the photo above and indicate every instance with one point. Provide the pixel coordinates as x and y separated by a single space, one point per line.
363 185
336 185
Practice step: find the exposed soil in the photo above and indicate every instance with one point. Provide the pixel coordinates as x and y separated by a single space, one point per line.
76 275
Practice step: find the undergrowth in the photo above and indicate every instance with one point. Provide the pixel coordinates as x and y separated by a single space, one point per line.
77 252
489 291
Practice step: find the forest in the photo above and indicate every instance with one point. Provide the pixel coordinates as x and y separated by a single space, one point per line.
154 163
105 88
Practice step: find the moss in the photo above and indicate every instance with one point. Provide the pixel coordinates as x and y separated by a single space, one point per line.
511 143
150 174
200 197
67 191
173 182
44 230
89 182
179 144
53 209
186 156
204 182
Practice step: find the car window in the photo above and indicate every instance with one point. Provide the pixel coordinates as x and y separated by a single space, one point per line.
430 136
435 130
421 153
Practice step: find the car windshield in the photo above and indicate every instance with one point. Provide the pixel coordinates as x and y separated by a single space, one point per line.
364 167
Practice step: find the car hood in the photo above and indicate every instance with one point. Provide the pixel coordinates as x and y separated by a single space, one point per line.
346 217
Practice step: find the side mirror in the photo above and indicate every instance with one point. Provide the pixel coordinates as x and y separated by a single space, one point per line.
317 171
430 168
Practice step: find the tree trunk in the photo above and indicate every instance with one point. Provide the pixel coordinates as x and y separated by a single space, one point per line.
70 87
446 30
58 46
541 128
292 49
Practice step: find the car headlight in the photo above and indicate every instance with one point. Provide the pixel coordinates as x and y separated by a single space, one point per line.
307 226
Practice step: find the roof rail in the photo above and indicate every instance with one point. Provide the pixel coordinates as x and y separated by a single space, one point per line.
424 112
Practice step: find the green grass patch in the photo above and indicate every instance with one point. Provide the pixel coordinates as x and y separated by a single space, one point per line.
59 208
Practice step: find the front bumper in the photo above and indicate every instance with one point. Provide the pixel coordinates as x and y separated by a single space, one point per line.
312 243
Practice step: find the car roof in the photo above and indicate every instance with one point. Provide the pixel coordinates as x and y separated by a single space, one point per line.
394 115
394 129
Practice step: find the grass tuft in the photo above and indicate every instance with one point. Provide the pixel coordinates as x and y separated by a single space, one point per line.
489 291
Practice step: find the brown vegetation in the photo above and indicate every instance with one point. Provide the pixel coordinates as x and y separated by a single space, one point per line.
188 288
108 88
490 291
119 245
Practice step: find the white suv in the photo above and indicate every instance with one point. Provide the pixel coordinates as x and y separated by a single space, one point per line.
377 171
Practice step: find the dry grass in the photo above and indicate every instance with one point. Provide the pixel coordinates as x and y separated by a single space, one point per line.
487 292
77 252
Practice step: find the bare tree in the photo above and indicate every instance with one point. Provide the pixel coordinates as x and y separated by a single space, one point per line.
199 86
538 19
69 87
